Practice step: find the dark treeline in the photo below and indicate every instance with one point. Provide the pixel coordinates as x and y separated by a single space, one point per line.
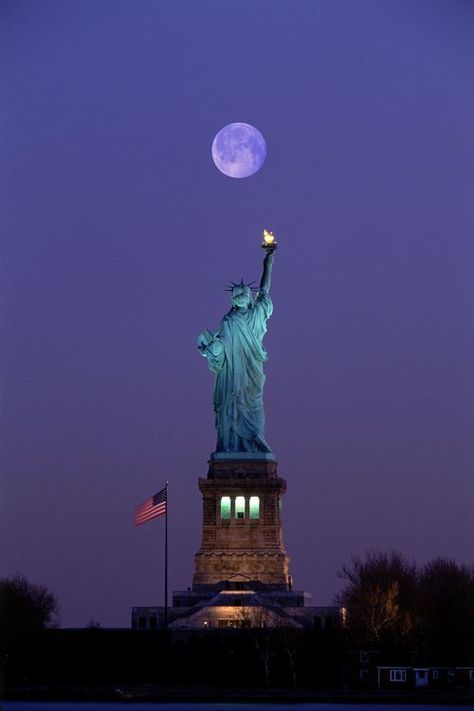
404 613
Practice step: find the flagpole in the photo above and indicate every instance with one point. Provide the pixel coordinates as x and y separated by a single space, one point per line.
166 558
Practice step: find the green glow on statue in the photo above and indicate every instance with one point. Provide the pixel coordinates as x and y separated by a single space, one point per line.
236 355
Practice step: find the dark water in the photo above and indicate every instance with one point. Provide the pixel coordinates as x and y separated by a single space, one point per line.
147 706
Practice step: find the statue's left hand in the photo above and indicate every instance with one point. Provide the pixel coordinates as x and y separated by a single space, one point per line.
204 339
216 347
210 345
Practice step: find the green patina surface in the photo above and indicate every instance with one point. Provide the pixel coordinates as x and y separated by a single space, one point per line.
235 354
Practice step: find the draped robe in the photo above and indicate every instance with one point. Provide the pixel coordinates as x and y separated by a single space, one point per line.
236 356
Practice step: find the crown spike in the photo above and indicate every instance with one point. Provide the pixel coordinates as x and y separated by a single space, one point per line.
242 284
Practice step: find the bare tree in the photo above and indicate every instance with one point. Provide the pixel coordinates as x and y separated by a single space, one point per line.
380 596
25 606
261 623
290 640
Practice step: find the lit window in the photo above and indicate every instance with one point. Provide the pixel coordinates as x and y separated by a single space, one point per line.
254 507
398 675
240 507
225 506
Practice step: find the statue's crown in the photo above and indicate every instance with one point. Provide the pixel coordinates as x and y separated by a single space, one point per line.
239 287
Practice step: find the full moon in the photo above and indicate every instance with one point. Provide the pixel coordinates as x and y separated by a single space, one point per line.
239 150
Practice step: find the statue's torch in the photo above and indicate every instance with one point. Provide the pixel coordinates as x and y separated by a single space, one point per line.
269 242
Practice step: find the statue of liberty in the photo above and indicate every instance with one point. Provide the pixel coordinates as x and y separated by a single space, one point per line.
235 354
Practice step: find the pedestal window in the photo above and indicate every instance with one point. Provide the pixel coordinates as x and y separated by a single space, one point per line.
225 507
254 507
240 507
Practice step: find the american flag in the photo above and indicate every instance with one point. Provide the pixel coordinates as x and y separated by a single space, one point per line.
151 508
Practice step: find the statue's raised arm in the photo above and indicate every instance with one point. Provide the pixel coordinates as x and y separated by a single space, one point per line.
266 280
235 354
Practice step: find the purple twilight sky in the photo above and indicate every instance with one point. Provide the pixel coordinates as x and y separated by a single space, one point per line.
119 234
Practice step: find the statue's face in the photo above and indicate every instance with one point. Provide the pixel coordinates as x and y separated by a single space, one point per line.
241 297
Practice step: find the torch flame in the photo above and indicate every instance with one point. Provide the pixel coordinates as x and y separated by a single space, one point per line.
268 237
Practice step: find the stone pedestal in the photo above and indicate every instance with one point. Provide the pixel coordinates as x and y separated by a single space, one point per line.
242 543
241 569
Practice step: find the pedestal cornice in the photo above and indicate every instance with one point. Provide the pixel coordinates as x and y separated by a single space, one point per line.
241 468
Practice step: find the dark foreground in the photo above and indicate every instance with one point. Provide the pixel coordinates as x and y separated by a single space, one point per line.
215 706
94 668
200 698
